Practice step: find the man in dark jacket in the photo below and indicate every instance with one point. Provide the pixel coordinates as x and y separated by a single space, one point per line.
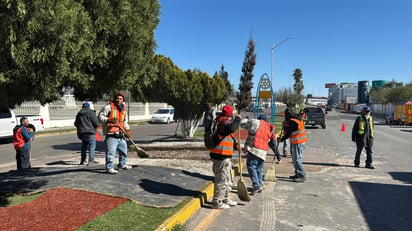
363 135
22 137
86 124
221 156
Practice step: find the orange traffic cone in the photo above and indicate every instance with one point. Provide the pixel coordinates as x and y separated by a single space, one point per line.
343 127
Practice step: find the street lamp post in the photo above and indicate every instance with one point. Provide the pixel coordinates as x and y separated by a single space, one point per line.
273 52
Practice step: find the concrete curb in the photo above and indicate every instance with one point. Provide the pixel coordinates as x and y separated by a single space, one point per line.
189 209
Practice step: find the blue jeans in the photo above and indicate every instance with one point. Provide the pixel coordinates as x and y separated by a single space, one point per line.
255 170
368 155
286 144
112 146
297 152
88 140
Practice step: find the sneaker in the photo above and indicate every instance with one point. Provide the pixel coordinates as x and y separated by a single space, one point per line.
220 206
230 202
299 179
83 162
92 162
293 177
284 155
256 190
112 171
126 167
370 166
279 161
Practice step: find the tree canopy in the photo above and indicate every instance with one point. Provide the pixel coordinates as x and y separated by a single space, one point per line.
392 92
94 46
188 91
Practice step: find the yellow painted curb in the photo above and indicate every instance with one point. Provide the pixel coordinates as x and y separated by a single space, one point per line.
188 210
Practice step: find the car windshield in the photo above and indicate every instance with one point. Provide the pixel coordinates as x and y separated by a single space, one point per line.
313 110
163 111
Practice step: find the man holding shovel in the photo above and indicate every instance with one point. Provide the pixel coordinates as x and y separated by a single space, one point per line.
221 156
115 128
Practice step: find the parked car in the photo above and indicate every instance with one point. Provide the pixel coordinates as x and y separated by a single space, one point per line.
163 115
8 120
315 116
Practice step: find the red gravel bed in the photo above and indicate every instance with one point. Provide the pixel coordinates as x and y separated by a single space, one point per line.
57 209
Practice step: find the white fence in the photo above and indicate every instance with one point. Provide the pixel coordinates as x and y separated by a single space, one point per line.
61 114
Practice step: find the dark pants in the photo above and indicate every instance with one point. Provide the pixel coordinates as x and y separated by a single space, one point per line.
23 158
369 153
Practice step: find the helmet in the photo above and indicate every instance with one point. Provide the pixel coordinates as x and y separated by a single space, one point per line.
366 109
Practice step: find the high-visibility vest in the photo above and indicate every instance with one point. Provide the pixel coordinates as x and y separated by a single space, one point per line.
120 115
18 139
298 136
362 123
225 147
262 136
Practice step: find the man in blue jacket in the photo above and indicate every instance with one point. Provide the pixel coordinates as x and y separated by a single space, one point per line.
22 136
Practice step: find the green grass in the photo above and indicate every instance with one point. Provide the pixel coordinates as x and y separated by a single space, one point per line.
130 216
12 199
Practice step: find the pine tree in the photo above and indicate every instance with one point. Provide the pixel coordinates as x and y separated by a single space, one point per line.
244 96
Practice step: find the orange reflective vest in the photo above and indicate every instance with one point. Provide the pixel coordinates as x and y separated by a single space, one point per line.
120 115
298 136
262 136
225 147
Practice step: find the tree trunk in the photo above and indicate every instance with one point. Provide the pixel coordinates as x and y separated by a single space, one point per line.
189 127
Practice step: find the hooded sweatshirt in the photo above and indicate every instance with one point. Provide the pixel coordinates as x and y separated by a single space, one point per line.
86 121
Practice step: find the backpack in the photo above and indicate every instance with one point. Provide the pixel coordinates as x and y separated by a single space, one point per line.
211 138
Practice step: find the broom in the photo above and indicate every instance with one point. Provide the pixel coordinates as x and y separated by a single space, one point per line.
270 174
140 152
241 186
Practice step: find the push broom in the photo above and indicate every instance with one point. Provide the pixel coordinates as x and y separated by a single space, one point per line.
140 152
241 186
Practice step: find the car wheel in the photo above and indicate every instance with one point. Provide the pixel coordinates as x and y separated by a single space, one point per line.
323 126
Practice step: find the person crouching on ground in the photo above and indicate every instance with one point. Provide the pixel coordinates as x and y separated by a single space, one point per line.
22 137
297 134
221 156
257 144
86 124
112 116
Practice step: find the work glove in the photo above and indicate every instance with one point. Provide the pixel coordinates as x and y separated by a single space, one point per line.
128 133
112 120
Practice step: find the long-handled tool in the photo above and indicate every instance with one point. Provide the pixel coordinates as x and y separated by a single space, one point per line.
241 186
140 152
270 174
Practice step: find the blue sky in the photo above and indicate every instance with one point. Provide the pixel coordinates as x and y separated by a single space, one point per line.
334 40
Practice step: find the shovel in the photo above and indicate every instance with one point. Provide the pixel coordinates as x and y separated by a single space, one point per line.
140 152
242 192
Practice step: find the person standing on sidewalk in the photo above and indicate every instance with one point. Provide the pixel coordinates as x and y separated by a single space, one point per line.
221 156
297 134
22 137
86 124
257 144
363 136
112 116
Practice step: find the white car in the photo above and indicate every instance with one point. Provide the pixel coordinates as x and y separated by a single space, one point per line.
163 115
